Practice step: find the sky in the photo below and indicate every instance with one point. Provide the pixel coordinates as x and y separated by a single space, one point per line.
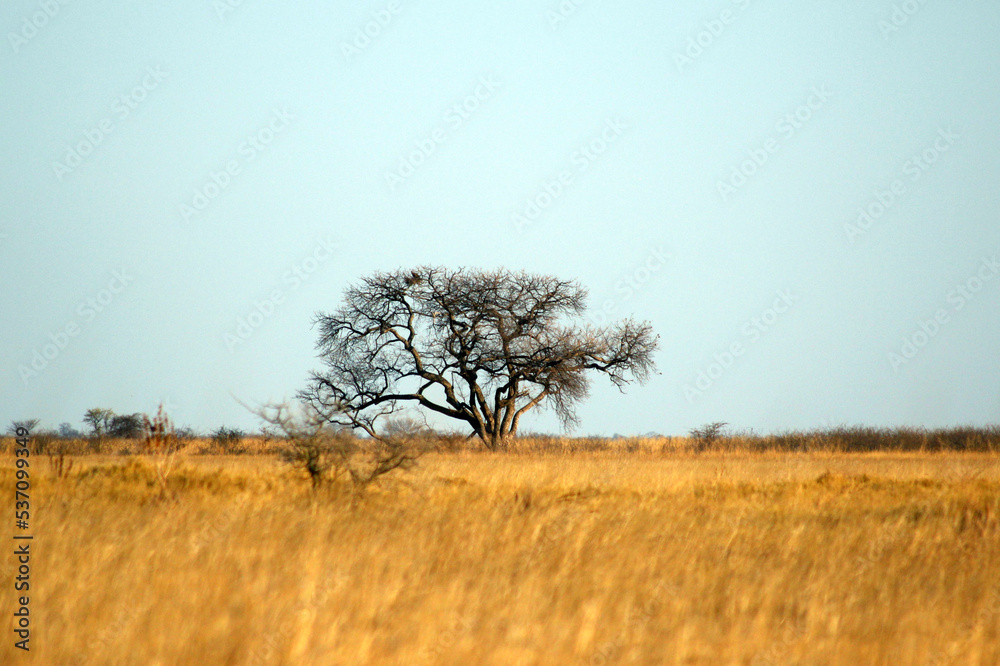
801 197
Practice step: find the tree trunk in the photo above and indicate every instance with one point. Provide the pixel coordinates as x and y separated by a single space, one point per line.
498 441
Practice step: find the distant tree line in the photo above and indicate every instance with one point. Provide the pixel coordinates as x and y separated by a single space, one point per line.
102 423
105 431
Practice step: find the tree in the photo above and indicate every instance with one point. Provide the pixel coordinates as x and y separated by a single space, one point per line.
27 424
481 347
323 449
126 426
67 431
98 419
708 434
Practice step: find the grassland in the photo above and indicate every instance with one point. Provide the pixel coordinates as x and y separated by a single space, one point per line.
647 556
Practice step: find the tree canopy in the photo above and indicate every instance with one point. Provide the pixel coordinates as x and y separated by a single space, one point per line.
482 347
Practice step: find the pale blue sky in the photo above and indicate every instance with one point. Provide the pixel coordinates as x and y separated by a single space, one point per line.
825 107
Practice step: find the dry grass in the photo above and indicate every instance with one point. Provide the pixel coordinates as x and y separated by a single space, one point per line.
841 439
590 558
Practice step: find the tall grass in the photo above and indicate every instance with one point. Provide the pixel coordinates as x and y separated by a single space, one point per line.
583 558
842 439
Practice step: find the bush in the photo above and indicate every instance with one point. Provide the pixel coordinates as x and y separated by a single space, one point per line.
708 434
43 441
126 426
230 440
66 431
324 451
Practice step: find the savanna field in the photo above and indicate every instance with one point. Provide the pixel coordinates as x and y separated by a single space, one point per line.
559 551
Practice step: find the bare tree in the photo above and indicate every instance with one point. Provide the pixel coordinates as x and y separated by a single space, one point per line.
708 434
27 424
326 451
482 347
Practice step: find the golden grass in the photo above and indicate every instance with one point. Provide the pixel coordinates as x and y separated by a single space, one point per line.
601 558
840 439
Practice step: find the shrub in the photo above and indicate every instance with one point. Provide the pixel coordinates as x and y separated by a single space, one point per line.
66 431
126 426
708 434
327 452
230 440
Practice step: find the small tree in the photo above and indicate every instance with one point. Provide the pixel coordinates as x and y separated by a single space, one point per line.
98 420
67 431
708 434
126 426
481 347
407 426
326 451
27 424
